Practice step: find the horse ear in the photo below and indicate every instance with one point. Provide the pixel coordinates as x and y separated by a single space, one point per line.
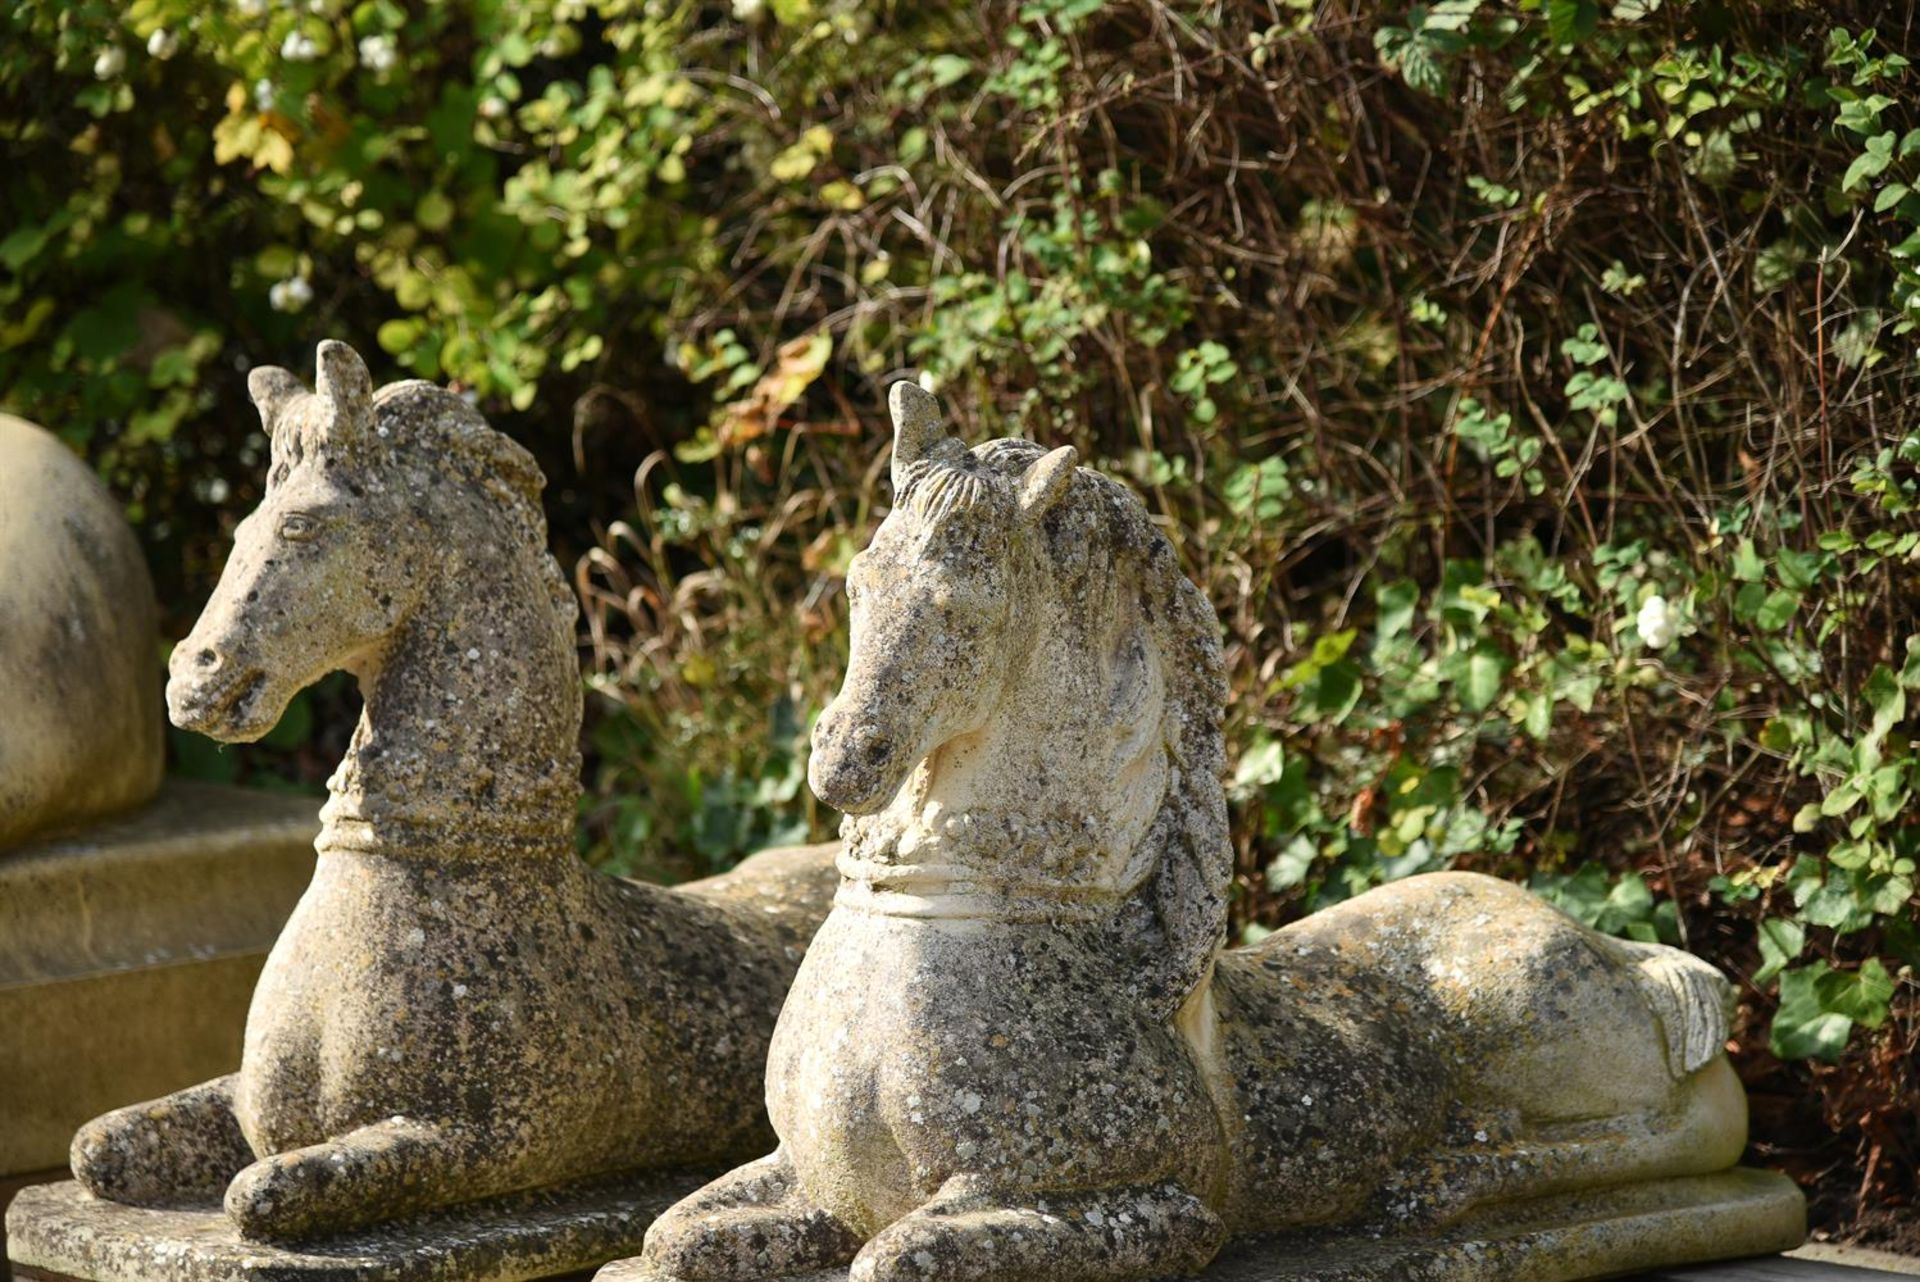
343 382
1046 482
917 426
271 389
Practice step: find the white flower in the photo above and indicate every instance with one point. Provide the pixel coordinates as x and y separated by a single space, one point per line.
290 295
263 94
250 8
163 44
748 10
299 47
928 383
111 61
493 106
378 54
1658 622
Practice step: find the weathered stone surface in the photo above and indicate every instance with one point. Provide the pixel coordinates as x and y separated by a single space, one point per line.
1555 1239
128 954
79 660
60 1229
1017 1050
458 1009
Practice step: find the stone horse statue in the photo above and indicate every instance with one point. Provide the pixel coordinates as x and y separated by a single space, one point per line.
1017 1050
459 1008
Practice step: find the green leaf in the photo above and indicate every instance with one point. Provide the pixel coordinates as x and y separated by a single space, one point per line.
24 245
948 68
1862 995
1261 765
1396 603
1841 799
1781 940
1870 163
1714 162
1486 669
1776 611
1888 700
1290 868
1538 719
1803 1027
397 336
434 212
1335 692
1569 21
1422 72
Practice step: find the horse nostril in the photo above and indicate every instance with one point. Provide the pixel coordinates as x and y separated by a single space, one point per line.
207 659
878 748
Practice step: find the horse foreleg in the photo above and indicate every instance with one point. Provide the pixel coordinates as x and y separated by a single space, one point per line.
749 1223
966 1234
180 1148
388 1169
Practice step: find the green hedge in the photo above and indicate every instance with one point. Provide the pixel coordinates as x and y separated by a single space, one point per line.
1529 385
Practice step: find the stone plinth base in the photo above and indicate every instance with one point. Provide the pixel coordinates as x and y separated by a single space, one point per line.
1560 1239
58 1232
128 954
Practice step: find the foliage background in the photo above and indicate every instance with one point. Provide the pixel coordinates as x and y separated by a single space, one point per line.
1528 384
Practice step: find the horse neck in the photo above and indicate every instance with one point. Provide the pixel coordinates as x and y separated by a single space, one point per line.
468 746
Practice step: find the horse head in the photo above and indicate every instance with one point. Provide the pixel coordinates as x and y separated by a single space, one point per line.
301 594
934 602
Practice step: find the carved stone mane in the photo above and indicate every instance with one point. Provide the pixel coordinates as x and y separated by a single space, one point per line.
1102 549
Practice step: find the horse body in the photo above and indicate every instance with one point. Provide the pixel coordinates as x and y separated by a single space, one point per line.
1016 1048
909 1056
458 1007
1447 1040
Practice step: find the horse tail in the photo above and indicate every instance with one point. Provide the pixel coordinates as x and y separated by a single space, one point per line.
1691 1000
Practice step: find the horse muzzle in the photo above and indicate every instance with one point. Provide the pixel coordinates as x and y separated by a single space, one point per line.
855 769
213 696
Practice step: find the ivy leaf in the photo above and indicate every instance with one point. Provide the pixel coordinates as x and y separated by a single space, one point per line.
1803 1028
1887 699
1397 600
1292 865
1862 995
1569 21
1781 940
1776 611
1421 70
1486 668
1260 765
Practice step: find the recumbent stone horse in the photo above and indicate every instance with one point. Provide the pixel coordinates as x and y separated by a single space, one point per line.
1017 1050
459 1007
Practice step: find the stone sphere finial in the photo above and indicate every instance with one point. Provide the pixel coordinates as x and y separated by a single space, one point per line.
79 668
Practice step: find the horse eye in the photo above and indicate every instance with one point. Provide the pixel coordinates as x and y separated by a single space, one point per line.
298 527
